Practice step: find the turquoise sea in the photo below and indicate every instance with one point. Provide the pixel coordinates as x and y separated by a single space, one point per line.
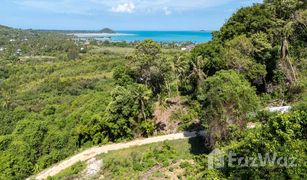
159 36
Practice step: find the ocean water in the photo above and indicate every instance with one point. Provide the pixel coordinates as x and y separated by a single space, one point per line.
159 36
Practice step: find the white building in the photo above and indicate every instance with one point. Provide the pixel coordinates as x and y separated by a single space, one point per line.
183 49
281 109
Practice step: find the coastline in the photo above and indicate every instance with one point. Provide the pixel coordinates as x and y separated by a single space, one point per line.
99 34
158 36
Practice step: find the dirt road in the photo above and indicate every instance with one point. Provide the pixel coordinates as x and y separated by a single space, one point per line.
92 152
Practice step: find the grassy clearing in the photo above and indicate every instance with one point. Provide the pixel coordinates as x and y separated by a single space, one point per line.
70 173
137 162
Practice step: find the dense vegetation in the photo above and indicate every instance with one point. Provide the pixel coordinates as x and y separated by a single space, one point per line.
58 94
48 102
267 44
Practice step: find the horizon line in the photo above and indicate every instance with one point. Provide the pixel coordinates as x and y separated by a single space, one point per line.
65 29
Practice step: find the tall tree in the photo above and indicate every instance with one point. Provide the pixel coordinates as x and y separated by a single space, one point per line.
226 98
149 67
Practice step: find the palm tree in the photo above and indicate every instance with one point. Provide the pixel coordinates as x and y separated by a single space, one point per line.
143 95
197 72
179 66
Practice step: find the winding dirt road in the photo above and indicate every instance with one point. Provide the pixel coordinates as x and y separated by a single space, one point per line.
92 152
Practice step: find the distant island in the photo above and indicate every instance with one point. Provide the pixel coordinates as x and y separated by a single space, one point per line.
107 31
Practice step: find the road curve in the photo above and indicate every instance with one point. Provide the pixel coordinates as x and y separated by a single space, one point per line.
94 151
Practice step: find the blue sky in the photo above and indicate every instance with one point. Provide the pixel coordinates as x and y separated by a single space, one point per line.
119 14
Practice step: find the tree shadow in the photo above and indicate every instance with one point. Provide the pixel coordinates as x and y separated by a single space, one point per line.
161 126
195 126
198 146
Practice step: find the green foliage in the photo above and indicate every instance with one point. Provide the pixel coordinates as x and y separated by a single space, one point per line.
50 107
73 53
250 42
149 67
239 56
133 163
147 51
227 98
139 161
211 53
283 135
285 8
93 131
147 127
248 21
121 76
70 172
16 161
129 112
213 174
17 43
8 120
189 120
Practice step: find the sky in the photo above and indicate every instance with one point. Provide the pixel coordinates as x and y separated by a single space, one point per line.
119 14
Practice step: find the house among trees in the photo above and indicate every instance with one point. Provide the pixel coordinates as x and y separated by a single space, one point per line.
188 48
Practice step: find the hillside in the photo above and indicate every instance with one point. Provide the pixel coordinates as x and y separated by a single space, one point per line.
4 27
54 98
59 95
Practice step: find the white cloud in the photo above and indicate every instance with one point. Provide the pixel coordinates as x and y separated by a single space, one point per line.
165 6
160 4
88 7
167 11
123 8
